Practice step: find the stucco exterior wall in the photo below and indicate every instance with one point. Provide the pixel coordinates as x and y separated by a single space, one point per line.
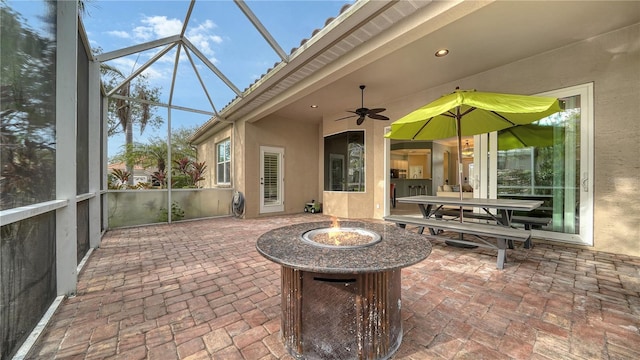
207 152
300 162
611 62
356 205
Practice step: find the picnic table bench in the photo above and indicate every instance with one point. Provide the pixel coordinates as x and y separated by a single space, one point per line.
502 231
482 233
529 222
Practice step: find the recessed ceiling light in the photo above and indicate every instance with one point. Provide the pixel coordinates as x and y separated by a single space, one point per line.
442 52
314 106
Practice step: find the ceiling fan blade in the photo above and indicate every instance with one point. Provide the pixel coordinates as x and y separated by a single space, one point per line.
363 112
346 117
378 117
350 116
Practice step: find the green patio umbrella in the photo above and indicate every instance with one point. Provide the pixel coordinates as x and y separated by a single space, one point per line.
470 112
523 136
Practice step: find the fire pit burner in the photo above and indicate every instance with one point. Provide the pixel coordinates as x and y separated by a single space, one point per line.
341 237
342 302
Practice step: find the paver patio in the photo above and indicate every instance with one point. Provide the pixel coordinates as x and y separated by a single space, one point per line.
200 290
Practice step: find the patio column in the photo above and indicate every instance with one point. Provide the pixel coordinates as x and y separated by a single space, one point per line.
66 119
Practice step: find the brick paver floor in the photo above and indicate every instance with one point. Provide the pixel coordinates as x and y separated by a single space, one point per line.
200 290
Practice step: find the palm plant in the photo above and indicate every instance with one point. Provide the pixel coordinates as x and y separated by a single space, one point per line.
131 109
154 155
189 172
197 172
119 179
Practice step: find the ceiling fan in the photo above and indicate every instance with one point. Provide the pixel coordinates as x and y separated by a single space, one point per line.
363 112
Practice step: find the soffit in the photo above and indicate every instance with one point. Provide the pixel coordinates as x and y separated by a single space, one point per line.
359 24
483 37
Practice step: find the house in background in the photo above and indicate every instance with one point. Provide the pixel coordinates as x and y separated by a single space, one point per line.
286 148
140 174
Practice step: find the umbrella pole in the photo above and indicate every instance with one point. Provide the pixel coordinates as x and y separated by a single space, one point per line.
459 135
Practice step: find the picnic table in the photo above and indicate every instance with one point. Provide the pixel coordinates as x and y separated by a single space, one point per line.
502 231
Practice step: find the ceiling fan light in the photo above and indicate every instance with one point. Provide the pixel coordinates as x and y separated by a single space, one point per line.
467 150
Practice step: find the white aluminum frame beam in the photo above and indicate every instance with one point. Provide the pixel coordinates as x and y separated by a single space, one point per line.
212 67
261 29
95 163
204 88
137 48
174 74
66 120
142 68
154 103
13 215
186 18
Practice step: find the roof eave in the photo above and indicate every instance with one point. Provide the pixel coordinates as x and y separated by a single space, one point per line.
333 31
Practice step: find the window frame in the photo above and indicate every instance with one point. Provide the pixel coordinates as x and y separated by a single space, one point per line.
225 163
487 170
328 155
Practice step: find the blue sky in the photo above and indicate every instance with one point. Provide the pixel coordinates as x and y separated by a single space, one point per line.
217 28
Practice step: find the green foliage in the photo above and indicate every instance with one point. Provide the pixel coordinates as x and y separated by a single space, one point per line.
180 144
153 154
176 213
544 171
159 178
125 114
129 107
27 111
188 173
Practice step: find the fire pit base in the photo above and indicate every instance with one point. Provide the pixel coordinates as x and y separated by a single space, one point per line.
342 302
341 316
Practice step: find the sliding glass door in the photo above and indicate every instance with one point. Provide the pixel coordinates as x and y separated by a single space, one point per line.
551 161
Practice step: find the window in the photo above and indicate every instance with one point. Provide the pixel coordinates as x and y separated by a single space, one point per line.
344 162
223 162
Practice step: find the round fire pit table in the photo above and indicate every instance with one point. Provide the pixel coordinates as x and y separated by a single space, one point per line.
342 302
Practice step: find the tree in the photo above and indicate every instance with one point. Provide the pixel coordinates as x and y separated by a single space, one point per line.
154 154
131 108
27 113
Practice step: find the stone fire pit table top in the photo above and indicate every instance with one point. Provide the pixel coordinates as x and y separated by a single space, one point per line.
399 248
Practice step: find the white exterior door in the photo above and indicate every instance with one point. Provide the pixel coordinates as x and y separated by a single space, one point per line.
271 179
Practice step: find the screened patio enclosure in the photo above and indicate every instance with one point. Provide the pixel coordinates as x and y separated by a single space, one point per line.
171 189
72 167
59 185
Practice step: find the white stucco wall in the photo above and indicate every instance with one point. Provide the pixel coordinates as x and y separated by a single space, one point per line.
300 161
